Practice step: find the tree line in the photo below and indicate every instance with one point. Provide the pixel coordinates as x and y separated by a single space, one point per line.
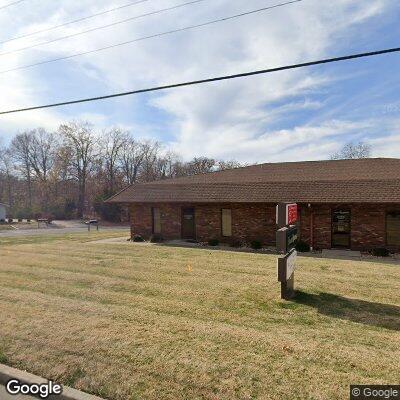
70 172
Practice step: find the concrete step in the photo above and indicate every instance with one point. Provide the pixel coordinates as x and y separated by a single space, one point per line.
338 253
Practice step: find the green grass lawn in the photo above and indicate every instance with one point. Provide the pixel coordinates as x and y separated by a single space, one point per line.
134 321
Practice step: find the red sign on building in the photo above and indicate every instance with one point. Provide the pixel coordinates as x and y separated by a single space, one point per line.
291 214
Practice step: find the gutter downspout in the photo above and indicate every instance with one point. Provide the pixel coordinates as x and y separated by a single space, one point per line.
311 227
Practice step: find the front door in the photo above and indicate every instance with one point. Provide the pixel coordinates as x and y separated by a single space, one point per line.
188 224
341 228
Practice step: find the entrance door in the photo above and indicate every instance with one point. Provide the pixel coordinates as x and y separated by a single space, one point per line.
341 228
188 224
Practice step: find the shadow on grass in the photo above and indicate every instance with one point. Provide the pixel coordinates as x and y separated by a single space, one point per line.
364 312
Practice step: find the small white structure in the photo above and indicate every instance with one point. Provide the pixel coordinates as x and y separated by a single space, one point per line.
3 210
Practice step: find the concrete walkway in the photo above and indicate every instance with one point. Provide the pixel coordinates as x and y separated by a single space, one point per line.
341 254
7 373
58 231
5 396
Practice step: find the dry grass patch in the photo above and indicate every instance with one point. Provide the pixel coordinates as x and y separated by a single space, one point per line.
155 322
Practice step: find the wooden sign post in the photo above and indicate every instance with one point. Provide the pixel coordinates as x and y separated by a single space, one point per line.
286 239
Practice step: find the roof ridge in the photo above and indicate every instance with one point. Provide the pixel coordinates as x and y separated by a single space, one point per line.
158 181
147 184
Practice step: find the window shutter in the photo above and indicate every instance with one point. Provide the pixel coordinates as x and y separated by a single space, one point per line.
156 220
393 228
226 222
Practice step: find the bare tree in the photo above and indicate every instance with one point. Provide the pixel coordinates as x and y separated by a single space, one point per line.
79 141
42 150
20 149
231 164
67 173
113 142
352 151
201 165
6 168
131 159
151 150
169 165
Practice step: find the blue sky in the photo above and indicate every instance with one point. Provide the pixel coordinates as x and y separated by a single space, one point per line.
295 115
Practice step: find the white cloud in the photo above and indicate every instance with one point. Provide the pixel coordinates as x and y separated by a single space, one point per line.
227 119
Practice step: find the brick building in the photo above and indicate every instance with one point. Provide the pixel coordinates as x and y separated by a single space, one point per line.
352 204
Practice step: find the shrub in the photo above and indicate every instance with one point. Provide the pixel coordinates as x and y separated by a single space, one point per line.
256 245
302 247
380 252
137 238
213 242
236 243
22 213
156 238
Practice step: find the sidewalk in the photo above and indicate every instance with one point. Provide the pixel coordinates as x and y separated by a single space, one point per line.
5 396
7 373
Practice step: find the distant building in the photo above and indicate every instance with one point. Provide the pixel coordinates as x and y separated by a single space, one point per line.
353 204
3 211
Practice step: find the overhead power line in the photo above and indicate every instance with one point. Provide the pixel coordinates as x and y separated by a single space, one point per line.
73 21
103 26
11 4
152 36
214 79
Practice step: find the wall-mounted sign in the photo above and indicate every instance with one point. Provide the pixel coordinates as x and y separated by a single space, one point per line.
286 266
286 239
286 214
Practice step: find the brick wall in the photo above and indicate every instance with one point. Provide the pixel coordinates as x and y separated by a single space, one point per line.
368 227
257 222
321 215
249 221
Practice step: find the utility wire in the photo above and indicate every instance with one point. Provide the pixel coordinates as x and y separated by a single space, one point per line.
103 27
73 21
11 4
152 36
214 79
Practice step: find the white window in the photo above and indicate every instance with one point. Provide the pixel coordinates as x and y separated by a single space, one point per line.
226 222
393 228
156 215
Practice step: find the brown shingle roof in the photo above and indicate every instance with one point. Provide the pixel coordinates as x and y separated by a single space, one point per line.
364 180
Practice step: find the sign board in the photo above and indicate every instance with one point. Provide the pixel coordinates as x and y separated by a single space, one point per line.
286 239
286 214
291 214
286 266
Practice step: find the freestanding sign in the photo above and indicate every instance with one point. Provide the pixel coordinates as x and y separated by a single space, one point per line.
286 239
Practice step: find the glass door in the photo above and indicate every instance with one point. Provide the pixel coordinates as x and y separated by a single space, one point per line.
341 228
188 224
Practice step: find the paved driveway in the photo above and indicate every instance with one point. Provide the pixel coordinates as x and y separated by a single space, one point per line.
58 231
